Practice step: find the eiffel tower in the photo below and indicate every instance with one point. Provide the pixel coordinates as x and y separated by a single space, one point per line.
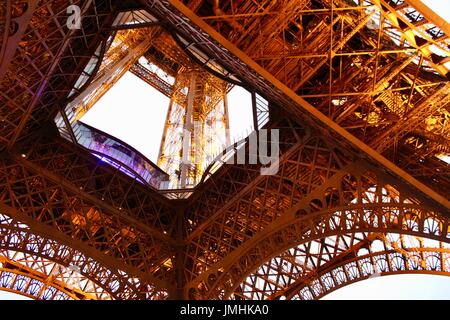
358 91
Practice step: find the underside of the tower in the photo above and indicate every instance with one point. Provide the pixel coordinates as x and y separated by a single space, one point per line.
345 176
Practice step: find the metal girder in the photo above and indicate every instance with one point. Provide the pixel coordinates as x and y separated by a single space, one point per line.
40 275
362 64
399 22
240 216
134 19
56 60
35 286
189 140
332 196
70 186
413 119
430 15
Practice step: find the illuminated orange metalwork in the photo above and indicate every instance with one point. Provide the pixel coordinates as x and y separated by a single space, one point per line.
360 94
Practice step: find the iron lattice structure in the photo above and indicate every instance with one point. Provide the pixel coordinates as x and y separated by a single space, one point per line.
359 91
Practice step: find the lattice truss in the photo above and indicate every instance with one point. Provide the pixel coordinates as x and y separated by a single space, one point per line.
30 272
302 273
300 207
346 83
198 112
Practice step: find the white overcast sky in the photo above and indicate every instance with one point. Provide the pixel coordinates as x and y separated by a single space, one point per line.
134 112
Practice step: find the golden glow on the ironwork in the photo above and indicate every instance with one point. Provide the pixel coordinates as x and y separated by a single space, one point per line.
198 111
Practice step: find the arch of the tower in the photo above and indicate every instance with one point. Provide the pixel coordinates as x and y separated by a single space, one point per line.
38 278
315 269
31 286
348 210
42 268
325 220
